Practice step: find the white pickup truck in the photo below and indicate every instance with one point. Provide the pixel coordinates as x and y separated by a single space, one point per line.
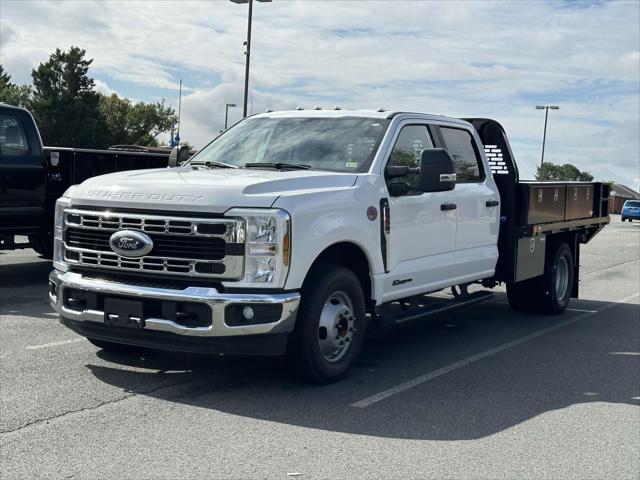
293 232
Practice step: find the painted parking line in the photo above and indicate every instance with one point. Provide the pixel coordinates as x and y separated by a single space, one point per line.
365 402
54 344
581 310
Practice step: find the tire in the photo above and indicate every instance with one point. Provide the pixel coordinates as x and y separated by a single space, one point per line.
549 294
332 310
623 219
558 272
114 347
521 297
43 244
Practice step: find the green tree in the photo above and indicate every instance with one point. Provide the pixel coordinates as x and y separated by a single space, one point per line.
5 78
129 123
566 172
64 102
71 113
18 95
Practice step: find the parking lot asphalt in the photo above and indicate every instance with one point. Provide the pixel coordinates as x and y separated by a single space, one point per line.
481 392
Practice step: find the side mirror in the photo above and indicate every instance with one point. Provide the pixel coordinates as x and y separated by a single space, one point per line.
178 155
437 171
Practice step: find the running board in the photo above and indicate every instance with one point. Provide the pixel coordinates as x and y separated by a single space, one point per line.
437 307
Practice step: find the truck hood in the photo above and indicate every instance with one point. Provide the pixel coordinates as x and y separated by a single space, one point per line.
202 190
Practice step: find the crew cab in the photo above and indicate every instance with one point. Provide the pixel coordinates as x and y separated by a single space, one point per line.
32 177
293 232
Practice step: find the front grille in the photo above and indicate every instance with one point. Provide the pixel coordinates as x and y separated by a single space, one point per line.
181 246
170 246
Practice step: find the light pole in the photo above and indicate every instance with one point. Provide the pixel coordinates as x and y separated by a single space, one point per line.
226 113
177 138
546 108
247 52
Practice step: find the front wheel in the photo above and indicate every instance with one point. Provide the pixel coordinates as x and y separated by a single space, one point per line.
330 326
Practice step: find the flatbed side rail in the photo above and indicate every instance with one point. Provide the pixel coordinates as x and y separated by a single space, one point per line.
569 225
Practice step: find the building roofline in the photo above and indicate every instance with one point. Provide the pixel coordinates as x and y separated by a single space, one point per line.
619 190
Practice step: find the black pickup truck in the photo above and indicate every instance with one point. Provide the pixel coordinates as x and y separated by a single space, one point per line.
33 177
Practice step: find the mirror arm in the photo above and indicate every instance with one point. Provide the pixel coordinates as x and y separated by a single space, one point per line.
395 171
398 189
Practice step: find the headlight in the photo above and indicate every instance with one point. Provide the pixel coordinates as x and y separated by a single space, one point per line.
268 246
58 230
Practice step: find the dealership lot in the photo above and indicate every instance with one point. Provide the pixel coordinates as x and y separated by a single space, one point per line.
481 392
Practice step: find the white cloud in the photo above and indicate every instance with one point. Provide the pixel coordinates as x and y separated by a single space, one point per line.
459 58
203 111
6 33
102 87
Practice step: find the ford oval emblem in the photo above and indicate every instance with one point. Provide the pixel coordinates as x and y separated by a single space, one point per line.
130 243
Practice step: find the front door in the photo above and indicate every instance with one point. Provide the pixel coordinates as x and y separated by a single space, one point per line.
422 231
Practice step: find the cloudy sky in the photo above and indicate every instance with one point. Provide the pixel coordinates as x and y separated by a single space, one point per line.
472 58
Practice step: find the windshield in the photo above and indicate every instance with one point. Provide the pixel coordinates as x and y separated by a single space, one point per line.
346 144
631 203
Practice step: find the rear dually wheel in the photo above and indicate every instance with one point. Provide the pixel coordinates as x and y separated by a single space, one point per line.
551 292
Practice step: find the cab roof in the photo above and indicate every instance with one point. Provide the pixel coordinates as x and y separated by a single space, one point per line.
337 113
8 106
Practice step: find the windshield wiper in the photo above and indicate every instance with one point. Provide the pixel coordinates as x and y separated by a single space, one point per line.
210 163
278 165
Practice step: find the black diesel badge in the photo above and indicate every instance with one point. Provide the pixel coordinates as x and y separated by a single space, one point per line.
130 243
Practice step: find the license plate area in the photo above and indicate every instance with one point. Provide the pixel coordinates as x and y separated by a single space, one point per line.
119 312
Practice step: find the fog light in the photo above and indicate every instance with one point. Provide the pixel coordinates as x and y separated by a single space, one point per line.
242 315
248 313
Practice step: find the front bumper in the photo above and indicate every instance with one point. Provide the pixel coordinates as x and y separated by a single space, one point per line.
169 334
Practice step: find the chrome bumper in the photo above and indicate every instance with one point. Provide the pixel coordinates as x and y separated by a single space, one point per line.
59 281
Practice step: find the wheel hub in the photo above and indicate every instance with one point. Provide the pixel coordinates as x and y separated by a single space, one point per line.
336 327
561 280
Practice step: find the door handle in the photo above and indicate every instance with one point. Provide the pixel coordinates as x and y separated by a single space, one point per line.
448 206
492 203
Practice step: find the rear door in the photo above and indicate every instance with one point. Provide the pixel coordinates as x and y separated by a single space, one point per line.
22 170
476 250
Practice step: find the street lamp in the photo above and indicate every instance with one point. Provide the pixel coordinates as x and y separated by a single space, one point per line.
226 113
546 108
247 52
